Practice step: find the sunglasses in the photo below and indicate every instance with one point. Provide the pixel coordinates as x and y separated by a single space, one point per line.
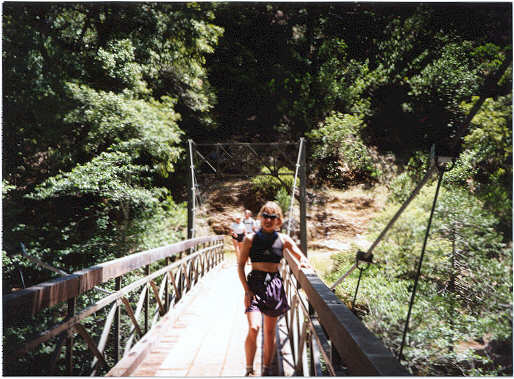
267 215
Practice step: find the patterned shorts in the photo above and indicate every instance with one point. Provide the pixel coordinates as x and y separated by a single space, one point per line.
270 296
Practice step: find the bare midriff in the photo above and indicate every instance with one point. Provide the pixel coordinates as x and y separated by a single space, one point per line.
265 266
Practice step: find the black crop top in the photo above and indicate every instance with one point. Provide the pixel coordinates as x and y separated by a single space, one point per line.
266 247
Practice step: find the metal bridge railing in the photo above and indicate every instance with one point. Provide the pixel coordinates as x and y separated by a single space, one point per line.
326 338
132 300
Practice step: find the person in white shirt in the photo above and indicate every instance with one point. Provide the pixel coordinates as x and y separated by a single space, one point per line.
257 225
238 231
249 222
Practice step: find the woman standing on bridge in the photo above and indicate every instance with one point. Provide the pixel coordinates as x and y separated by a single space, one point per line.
238 231
264 291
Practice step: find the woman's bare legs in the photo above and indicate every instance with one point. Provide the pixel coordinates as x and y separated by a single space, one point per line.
239 248
269 341
236 248
254 325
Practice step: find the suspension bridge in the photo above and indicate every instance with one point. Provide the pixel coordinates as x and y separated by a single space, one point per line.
177 310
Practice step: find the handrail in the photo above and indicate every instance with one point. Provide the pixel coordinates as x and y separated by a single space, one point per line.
52 292
166 286
351 342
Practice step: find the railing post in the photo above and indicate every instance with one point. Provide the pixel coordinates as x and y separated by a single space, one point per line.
217 252
220 251
72 303
117 324
337 361
181 280
303 199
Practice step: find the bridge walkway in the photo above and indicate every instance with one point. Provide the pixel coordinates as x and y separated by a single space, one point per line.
206 337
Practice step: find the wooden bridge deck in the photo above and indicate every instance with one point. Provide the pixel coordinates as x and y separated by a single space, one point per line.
205 337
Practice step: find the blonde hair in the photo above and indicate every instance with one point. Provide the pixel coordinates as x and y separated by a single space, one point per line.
272 207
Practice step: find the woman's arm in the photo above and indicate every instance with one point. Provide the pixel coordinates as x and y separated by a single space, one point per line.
241 262
233 230
295 250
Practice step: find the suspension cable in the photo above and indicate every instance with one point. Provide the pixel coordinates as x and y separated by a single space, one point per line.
360 257
291 204
427 232
198 193
192 189
199 199
357 288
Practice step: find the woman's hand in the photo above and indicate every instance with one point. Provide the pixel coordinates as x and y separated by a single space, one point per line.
304 263
248 298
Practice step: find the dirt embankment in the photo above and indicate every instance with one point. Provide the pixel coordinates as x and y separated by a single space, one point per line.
335 218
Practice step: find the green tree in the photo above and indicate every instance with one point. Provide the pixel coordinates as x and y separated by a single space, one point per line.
93 96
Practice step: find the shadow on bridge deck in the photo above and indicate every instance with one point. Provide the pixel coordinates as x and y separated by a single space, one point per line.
204 338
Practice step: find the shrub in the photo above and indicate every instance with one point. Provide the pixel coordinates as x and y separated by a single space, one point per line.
283 198
341 155
268 186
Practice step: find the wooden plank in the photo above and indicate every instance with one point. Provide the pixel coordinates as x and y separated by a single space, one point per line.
172 277
55 355
158 308
291 329
139 307
167 288
186 274
131 315
299 367
157 297
72 305
194 268
90 343
203 260
147 301
315 357
117 324
31 300
105 335
285 360
363 353
321 346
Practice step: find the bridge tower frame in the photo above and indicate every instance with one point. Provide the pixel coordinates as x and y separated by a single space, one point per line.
220 169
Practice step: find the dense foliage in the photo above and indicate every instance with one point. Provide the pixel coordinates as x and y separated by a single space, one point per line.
99 99
461 321
91 128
